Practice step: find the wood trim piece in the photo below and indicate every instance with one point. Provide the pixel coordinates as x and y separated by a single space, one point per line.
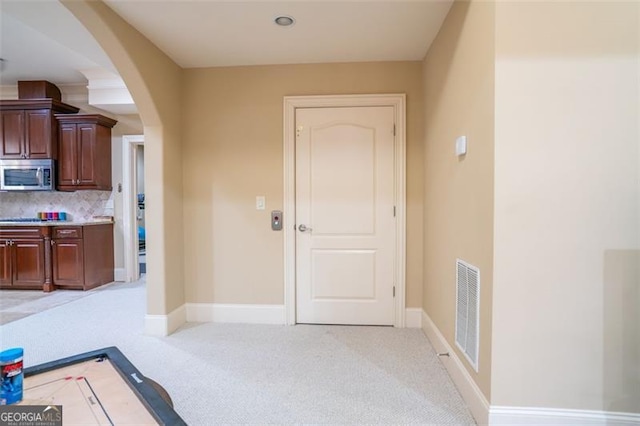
508 415
86 119
48 285
51 104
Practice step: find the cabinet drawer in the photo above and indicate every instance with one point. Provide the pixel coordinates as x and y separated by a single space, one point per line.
67 232
26 232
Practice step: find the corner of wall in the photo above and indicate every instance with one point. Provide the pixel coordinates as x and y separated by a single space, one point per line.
459 100
164 325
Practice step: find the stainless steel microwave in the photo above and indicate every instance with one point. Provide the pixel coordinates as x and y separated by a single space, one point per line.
27 175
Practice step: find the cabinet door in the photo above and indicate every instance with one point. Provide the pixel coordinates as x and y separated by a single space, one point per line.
68 263
67 156
28 266
5 263
38 143
87 154
12 134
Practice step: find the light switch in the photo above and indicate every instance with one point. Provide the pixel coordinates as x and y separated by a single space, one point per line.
461 146
260 202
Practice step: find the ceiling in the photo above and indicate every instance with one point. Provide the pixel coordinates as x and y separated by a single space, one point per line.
41 39
214 33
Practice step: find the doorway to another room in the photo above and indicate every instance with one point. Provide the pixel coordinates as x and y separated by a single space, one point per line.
345 215
142 235
344 231
134 200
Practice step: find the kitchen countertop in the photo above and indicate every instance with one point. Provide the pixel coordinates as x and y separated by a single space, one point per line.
58 223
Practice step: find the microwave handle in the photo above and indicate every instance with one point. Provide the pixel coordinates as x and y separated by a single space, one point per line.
40 177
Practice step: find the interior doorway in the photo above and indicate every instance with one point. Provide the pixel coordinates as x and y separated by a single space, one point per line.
133 206
297 231
140 217
345 211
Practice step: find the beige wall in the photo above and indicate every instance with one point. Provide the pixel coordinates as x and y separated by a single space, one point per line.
155 83
458 213
233 152
567 197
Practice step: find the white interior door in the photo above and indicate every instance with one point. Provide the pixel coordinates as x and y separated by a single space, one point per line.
345 230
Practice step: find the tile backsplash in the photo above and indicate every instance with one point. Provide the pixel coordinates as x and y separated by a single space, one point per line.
79 205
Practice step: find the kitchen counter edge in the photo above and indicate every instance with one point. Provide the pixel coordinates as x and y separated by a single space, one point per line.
56 223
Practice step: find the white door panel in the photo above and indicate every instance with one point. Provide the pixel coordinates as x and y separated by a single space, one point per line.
345 199
343 274
342 180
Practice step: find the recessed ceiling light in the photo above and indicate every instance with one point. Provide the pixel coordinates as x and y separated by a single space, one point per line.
284 21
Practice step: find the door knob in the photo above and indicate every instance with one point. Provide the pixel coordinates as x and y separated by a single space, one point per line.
303 228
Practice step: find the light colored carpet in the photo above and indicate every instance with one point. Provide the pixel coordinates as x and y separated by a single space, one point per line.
256 374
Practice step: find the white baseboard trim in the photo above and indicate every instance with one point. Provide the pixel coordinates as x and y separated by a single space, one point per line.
262 314
470 392
413 318
164 325
237 313
119 275
554 416
499 415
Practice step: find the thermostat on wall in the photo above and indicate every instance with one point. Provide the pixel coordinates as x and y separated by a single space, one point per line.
461 146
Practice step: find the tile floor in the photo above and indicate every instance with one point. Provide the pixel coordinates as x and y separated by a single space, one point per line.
17 304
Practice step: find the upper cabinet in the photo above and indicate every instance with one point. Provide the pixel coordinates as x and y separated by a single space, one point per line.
84 155
40 126
28 128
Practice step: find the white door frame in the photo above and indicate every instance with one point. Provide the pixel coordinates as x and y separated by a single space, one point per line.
397 101
130 144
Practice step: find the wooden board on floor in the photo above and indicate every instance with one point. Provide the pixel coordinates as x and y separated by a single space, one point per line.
99 388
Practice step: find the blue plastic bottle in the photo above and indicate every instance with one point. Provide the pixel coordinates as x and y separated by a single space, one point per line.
11 376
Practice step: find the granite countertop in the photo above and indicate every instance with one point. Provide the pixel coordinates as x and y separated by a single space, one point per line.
58 223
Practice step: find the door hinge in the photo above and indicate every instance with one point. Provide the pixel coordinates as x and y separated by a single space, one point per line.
394 129
394 211
394 291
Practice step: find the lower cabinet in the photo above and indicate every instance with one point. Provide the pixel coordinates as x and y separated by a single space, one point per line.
68 262
6 273
50 257
23 258
82 256
29 263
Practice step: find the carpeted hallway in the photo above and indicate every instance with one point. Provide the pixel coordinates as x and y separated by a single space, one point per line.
249 374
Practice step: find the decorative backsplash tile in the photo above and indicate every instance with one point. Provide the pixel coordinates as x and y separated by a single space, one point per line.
79 205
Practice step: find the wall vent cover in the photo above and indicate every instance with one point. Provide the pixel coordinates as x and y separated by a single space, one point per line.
468 310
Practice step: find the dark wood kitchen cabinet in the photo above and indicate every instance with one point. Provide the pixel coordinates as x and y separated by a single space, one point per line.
84 155
82 256
29 129
24 257
68 260
5 264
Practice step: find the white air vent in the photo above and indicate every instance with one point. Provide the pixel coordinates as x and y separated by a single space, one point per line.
468 310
